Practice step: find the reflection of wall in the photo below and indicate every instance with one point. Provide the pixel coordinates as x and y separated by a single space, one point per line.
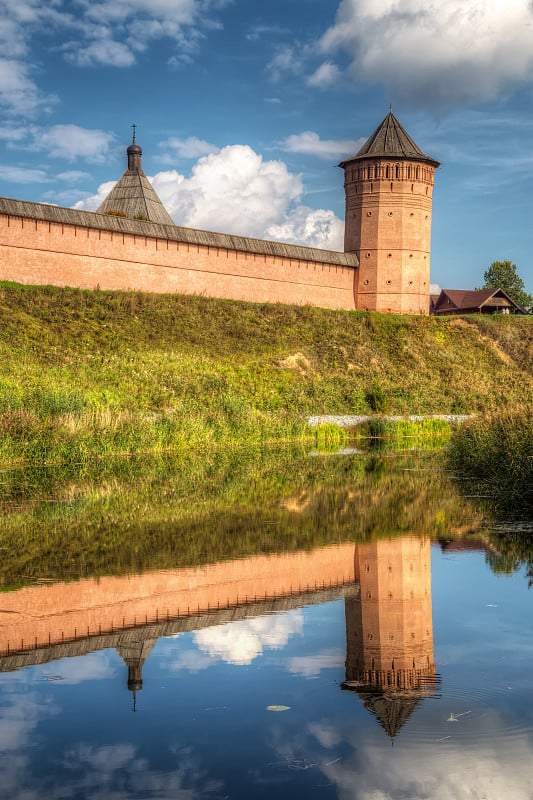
46 615
389 631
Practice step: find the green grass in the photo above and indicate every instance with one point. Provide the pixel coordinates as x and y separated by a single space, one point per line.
495 453
120 516
92 374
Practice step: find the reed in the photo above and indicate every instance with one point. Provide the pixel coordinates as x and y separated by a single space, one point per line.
495 453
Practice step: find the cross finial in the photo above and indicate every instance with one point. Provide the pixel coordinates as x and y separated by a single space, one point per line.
134 126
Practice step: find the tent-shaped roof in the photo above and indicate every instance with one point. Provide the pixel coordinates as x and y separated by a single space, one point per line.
133 196
390 140
466 300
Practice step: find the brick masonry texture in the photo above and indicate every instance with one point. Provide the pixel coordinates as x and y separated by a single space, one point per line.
37 251
388 225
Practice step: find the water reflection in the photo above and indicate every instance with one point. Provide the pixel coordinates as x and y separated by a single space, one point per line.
353 617
386 587
312 584
389 629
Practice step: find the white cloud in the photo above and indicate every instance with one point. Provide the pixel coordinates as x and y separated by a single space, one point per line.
103 51
438 53
15 174
287 61
310 143
234 190
19 94
72 142
72 176
191 147
237 191
115 33
325 75
241 642
434 288
92 202
314 228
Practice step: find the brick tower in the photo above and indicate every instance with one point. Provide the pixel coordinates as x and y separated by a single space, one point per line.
389 185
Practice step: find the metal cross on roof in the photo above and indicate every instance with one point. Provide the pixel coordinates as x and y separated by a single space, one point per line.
134 126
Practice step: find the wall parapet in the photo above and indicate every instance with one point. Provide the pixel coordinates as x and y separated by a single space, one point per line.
106 222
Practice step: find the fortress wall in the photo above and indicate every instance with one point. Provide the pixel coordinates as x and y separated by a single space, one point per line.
36 251
39 614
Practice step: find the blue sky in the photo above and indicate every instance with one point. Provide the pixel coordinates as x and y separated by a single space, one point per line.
244 108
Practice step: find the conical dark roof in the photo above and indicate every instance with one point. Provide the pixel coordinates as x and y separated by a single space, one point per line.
390 140
391 711
133 195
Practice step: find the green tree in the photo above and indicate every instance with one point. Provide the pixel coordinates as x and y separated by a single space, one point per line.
503 275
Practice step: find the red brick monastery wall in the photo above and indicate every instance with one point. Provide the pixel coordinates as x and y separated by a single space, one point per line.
36 251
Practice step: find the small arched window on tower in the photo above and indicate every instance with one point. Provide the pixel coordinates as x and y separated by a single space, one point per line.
397 172
388 172
409 172
417 173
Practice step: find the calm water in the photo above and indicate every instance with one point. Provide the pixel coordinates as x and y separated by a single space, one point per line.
394 666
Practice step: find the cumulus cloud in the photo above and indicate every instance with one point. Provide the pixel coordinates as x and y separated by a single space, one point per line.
314 228
439 53
310 143
241 642
325 75
236 191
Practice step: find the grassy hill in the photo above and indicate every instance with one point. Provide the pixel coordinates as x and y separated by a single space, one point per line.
94 373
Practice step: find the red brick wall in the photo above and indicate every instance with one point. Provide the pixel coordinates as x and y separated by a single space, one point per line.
388 226
39 252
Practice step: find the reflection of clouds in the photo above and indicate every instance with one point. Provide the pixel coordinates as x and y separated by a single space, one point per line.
241 642
19 716
92 667
311 666
480 766
325 733
192 661
21 711
119 772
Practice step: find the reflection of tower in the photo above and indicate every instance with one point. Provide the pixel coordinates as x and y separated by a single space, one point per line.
134 652
389 631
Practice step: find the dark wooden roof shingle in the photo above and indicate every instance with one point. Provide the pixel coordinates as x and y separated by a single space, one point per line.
390 140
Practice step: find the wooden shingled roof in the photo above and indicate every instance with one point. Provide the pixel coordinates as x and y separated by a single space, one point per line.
390 140
134 196
243 244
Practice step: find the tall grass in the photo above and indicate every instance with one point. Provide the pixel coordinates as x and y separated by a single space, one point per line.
495 452
87 374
